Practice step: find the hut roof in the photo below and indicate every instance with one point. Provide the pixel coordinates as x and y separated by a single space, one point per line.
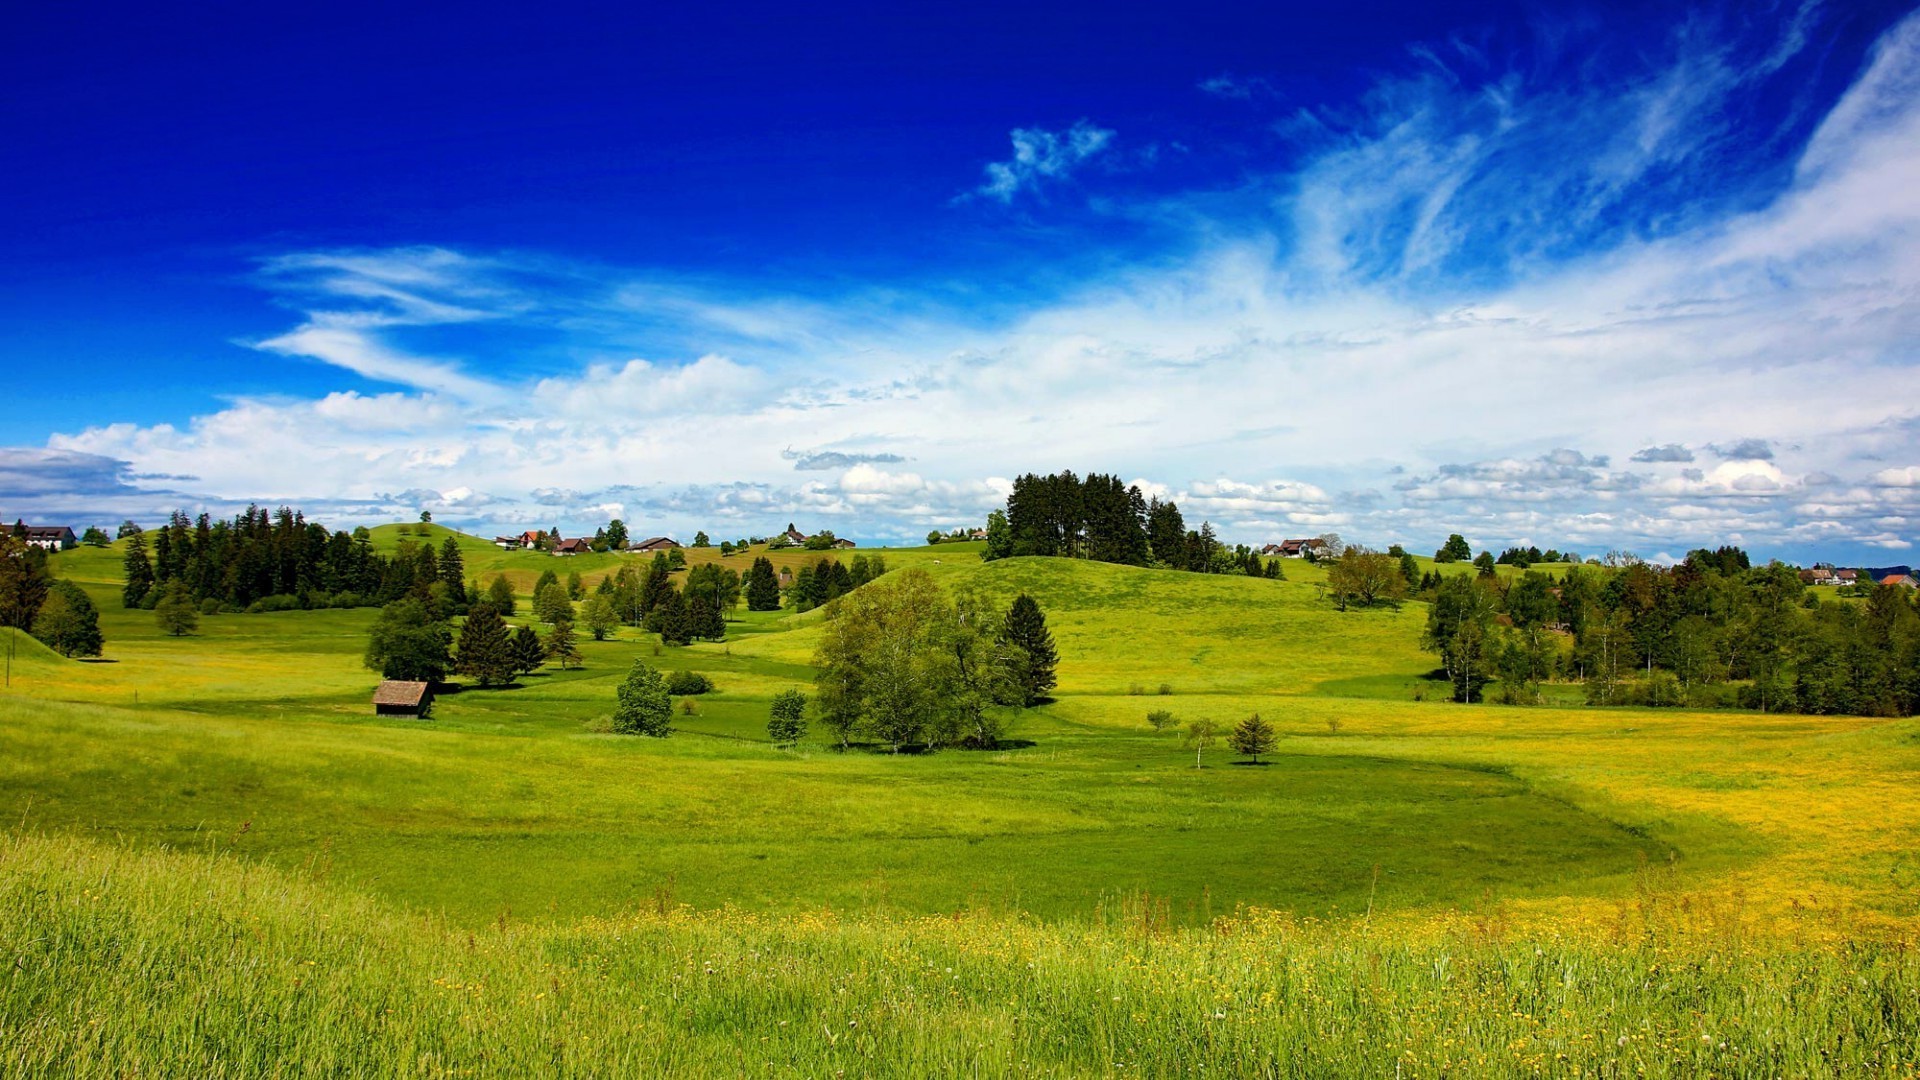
400 692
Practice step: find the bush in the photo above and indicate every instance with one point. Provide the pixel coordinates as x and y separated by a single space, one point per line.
644 708
1161 719
1135 690
273 603
210 606
788 720
1166 689
686 683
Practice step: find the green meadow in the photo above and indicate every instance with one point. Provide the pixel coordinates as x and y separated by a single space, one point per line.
214 834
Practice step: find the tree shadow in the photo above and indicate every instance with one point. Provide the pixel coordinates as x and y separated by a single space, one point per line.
95 660
1261 764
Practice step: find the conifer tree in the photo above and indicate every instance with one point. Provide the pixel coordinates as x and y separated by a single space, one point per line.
453 567
704 619
1026 629
546 578
563 644
575 590
485 649
176 612
139 571
763 588
529 654
676 621
1252 737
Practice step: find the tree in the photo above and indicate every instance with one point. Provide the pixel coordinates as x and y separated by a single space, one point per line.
407 642
718 585
616 535
127 528
985 669
68 623
675 620
24 582
546 578
485 651
1455 549
139 572
575 589
426 517
999 537
1252 737
1026 630
176 613
676 559
550 603
882 667
600 617
1483 562
644 706
453 567
1200 736
529 652
763 588
787 721
700 540
95 536
1410 570
1365 578
703 619
1460 630
563 644
500 594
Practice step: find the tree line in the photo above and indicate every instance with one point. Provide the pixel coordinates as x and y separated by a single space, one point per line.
1712 630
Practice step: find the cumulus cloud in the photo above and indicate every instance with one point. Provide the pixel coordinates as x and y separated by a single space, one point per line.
1744 450
1671 452
1040 156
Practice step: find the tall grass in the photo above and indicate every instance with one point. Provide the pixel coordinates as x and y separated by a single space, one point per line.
119 962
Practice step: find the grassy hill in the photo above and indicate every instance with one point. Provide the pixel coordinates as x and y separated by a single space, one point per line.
451 869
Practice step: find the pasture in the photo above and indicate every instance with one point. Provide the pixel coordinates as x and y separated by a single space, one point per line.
1391 832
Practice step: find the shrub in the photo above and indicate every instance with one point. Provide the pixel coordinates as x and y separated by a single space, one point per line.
687 707
1166 689
686 683
1135 690
210 606
1161 719
645 708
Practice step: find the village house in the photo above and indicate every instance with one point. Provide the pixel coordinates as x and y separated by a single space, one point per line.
1903 580
1296 549
532 538
843 544
656 543
401 697
573 547
794 536
48 537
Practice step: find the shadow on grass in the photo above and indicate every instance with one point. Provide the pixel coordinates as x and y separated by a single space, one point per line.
95 660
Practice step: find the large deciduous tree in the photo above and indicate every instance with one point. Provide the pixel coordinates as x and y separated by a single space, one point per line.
68 622
407 642
644 707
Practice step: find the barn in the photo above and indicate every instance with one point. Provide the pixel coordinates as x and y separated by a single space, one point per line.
400 697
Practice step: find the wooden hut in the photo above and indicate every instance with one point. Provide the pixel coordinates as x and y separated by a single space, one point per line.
399 697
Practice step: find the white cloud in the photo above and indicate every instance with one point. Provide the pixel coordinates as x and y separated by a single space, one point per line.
1040 155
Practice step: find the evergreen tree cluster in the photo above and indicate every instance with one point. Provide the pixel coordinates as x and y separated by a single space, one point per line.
280 559
1101 519
829 579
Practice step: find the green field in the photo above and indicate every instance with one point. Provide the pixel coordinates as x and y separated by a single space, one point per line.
1390 832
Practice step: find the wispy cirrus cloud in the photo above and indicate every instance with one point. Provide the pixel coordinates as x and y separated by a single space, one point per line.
1040 156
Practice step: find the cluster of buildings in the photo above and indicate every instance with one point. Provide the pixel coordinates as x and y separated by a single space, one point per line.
533 539
1296 549
1827 574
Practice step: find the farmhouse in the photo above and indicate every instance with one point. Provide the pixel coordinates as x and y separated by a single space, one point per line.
844 544
1296 549
794 536
1897 579
47 537
532 538
573 547
399 697
657 543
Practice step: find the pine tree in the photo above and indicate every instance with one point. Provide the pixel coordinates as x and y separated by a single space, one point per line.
1026 630
575 590
139 571
485 650
676 621
563 644
453 567
763 588
546 578
1252 737
645 707
705 619
529 655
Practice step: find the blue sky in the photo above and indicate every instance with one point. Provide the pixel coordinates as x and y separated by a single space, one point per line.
1622 276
